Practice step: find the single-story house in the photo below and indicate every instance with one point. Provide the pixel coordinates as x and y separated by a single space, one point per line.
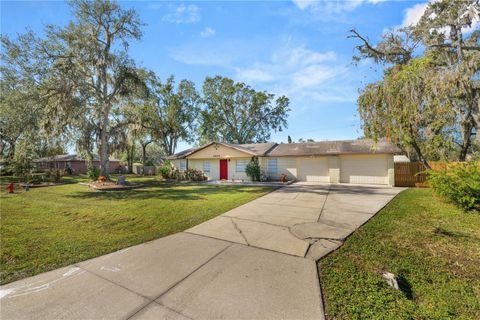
75 162
354 161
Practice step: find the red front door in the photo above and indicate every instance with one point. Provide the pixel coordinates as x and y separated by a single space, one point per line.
223 170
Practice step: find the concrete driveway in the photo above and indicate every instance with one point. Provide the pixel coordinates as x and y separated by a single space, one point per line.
257 261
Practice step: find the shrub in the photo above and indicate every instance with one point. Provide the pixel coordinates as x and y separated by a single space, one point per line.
177 175
93 173
21 167
54 175
459 184
166 169
194 175
253 169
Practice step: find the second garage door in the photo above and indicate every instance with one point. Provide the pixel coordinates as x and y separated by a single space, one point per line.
364 169
313 170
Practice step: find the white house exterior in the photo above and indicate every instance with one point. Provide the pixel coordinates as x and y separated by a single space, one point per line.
352 161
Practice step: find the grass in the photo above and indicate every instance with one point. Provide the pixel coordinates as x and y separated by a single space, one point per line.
46 228
432 246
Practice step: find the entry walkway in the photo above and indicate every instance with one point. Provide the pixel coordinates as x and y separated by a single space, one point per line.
256 261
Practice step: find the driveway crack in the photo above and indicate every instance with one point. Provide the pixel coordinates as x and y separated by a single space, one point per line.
324 202
239 231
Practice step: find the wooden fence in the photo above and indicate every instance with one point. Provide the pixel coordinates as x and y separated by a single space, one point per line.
412 174
409 174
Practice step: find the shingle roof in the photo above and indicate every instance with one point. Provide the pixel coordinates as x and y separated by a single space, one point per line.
258 149
360 146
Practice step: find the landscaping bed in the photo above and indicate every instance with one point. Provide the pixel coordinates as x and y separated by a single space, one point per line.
110 185
431 246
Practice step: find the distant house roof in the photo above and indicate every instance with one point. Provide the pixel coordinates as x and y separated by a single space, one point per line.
68 157
360 146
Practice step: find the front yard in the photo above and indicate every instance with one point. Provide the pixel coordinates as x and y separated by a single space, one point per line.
434 248
46 228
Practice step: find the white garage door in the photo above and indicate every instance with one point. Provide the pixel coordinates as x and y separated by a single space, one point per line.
364 169
313 170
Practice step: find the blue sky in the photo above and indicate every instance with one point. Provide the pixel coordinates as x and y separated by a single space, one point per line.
294 48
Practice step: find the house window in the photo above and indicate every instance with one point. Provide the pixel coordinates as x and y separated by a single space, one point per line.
206 166
240 165
272 166
183 165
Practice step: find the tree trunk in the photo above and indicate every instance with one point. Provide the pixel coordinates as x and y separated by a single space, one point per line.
144 157
104 154
466 131
130 155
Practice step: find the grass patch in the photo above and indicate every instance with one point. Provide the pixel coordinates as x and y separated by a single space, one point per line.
432 246
47 228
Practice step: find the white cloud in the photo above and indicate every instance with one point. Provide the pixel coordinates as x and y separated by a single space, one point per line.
299 72
183 14
310 78
413 14
207 32
332 6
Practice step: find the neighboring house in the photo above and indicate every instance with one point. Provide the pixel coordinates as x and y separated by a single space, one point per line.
353 161
77 163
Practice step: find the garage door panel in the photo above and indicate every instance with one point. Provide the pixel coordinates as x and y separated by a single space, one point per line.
371 169
313 170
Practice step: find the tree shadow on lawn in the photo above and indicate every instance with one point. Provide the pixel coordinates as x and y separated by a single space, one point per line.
159 190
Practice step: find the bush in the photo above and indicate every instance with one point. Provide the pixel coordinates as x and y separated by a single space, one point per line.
54 175
194 175
253 169
459 184
21 167
93 173
166 169
177 175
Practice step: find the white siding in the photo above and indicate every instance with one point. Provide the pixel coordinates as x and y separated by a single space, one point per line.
232 170
364 169
214 167
313 169
286 165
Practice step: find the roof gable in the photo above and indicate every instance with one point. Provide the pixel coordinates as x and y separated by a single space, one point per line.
219 150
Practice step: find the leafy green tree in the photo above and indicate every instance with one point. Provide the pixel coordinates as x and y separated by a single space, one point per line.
401 108
456 53
91 72
448 82
236 113
171 112
21 112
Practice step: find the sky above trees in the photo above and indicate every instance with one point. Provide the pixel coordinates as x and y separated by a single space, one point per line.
299 49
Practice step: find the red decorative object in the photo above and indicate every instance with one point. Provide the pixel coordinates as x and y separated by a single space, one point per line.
10 187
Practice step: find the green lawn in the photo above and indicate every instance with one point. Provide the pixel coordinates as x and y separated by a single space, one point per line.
50 227
433 246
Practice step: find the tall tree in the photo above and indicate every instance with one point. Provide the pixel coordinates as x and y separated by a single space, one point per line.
21 111
171 113
448 80
444 29
91 69
236 113
402 108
